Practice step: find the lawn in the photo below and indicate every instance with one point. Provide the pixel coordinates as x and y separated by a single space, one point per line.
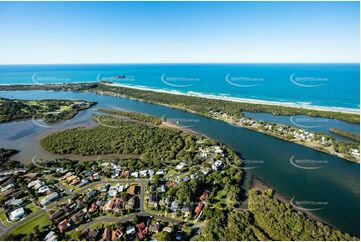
26 228
3 218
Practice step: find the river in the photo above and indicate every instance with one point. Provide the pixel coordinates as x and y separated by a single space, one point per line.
330 190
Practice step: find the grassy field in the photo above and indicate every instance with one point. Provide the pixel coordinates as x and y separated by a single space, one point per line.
4 219
26 228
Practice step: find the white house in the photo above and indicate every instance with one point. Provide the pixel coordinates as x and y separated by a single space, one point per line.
216 165
49 198
17 214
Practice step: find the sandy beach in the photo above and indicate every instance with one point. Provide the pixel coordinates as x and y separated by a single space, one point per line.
242 100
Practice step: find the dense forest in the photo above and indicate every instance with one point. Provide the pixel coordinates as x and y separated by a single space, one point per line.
5 162
266 219
50 110
115 136
199 105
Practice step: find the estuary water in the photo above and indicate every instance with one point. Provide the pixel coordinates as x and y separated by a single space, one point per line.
328 85
330 189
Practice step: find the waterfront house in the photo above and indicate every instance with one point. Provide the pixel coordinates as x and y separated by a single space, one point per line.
217 165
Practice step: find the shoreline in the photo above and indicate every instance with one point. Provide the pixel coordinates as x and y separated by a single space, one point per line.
241 100
298 105
260 185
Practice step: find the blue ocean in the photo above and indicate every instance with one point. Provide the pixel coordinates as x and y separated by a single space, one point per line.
327 85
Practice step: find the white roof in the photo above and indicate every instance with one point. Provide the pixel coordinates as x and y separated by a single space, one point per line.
17 213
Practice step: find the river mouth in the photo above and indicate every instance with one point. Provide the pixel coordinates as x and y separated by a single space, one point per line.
336 182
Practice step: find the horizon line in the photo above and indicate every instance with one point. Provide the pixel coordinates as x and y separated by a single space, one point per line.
172 63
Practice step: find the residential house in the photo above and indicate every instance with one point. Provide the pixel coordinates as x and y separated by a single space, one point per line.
131 190
116 234
107 234
142 230
199 208
49 198
118 204
57 214
153 200
83 182
217 165
17 214
64 226
155 228
186 211
167 229
51 236
204 196
134 174
130 230
170 184
161 189
77 218
174 206
91 234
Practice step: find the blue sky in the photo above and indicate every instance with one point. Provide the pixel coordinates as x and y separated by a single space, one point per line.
178 32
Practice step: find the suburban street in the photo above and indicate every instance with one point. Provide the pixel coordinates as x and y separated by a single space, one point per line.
103 219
